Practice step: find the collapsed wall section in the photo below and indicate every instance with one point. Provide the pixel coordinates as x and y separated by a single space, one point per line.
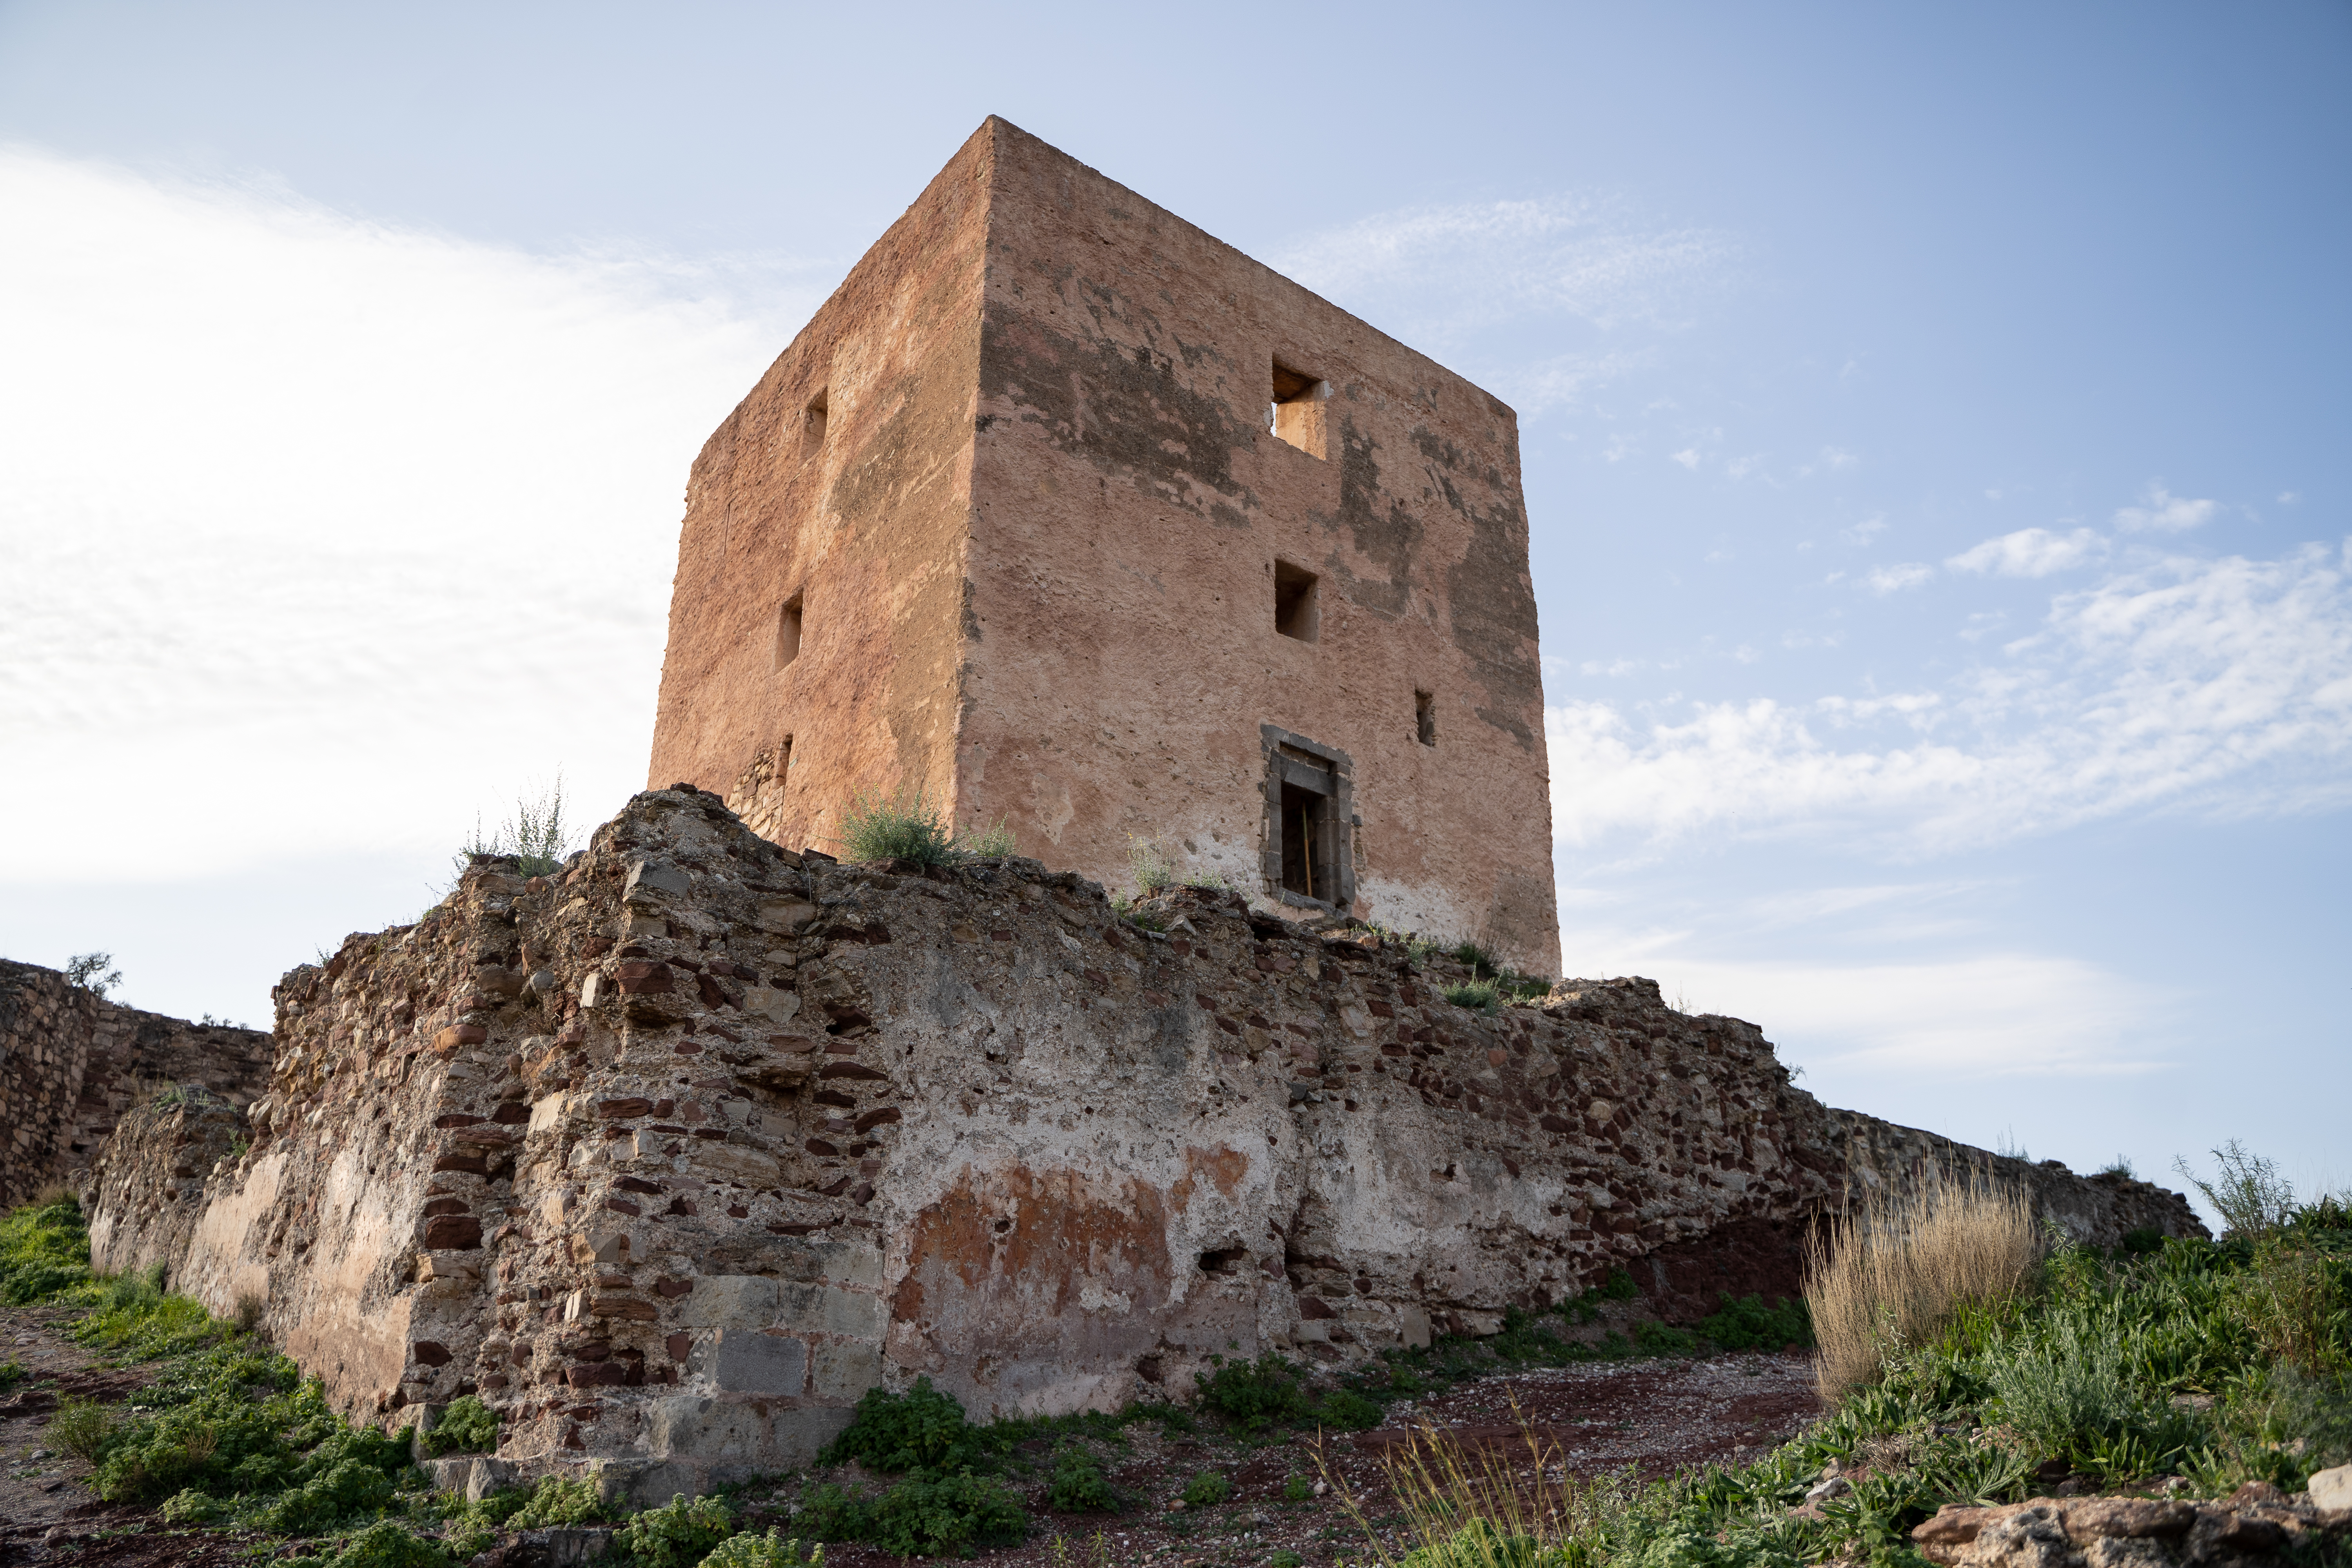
671 1157
72 1062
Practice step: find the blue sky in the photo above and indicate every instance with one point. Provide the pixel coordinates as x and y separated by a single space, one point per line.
1934 428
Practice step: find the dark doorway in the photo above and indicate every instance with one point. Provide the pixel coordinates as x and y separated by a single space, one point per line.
1306 867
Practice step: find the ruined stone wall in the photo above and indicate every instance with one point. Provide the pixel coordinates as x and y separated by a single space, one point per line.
148 1185
673 1156
71 1064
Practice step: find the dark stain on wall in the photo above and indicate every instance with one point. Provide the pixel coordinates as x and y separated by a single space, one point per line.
1127 411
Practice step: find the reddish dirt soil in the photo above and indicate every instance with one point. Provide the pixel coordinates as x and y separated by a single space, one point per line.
1654 1417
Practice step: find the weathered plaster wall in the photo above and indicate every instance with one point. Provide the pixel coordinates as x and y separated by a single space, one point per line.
863 519
1131 506
1037 550
674 1156
71 1064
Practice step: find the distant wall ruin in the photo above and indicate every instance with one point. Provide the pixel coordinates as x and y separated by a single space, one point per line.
72 1062
671 1157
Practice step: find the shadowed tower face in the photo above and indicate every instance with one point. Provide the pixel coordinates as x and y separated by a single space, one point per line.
1072 516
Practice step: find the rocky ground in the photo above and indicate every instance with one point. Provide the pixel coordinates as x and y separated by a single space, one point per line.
1652 1415
47 1514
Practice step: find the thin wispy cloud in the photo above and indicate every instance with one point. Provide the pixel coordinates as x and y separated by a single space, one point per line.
370 513
1865 531
1437 274
2220 686
2031 552
1885 579
2161 511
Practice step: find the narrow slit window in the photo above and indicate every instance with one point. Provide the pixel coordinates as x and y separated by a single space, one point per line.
812 426
1296 415
788 632
1295 613
1424 717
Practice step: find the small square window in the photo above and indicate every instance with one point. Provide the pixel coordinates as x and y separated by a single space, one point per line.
788 633
1424 717
1294 611
812 426
1296 415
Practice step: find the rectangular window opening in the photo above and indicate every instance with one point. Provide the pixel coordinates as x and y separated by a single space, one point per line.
1306 867
788 632
812 426
1295 413
1295 613
1424 717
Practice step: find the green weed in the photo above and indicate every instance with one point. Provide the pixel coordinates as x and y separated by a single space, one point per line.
1255 1394
773 1550
1749 1324
920 1429
904 826
467 1426
559 1500
1078 1484
1478 995
680 1534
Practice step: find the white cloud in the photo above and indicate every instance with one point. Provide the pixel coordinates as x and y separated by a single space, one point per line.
1862 533
2030 552
1567 379
1836 458
2164 511
1432 274
1687 457
2007 1014
1885 580
325 535
2220 686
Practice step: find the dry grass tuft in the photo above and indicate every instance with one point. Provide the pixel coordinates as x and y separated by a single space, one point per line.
1891 1272
1488 1505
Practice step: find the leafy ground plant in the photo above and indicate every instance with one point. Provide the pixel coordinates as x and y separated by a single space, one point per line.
678 1534
1078 1484
467 1426
921 1428
773 1550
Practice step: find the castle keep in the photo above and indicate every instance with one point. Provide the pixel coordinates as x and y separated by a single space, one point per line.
1072 516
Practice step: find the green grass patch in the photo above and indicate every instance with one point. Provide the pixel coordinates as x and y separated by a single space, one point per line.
43 1252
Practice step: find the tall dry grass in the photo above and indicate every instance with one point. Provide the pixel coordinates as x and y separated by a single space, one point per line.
1488 1505
1892 1271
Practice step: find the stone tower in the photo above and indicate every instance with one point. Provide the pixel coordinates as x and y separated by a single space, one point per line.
1072 516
